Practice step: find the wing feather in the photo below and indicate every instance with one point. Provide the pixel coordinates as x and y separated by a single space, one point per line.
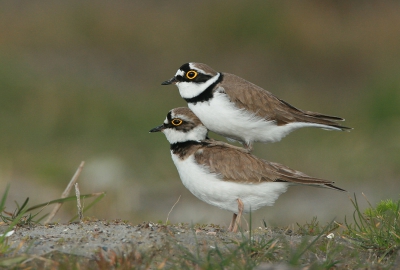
248 96
238 165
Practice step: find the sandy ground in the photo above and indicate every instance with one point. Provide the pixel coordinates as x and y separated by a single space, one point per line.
77 245
89 237
86 240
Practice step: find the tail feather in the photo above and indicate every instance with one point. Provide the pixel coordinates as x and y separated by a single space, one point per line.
338 127
326 120
317 118
324 116
335 187
309 181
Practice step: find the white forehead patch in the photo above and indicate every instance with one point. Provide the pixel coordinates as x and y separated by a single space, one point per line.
166 120
180 72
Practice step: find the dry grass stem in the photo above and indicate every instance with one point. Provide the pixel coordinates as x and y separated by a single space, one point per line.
78 202
66 192
166 222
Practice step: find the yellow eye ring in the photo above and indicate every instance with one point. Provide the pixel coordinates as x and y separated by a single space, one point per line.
176 122
191 74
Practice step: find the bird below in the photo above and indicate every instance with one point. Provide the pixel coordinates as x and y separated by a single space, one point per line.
240 110
224 175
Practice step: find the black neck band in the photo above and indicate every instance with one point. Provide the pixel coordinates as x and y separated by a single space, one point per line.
181 148
206 94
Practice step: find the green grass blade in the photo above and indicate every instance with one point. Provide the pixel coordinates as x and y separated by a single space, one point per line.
9 262
14 222
297 256
67 199
4 198
41 218
22 206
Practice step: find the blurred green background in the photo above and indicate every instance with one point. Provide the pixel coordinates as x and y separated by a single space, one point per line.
81 80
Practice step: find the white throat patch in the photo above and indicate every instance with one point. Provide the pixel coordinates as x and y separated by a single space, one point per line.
175 136
192 89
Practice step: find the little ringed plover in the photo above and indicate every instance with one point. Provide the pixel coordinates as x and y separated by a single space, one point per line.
240 110
224 175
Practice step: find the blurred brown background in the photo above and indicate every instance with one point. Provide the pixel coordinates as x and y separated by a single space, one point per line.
80 80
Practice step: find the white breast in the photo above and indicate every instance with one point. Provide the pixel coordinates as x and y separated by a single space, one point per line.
221 116
224 194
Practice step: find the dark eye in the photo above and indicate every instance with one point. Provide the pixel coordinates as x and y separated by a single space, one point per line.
176 122
191 74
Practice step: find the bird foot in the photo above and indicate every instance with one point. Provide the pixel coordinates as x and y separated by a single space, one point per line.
248 146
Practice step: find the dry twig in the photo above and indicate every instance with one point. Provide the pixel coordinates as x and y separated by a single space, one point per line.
172 209
66 192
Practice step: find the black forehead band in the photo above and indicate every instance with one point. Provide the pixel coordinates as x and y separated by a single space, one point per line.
185 67
169 117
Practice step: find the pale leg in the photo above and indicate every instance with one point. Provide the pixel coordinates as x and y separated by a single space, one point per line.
248 146
232 222
237 219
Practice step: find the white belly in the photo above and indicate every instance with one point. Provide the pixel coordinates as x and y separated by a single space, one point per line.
224 194
223 117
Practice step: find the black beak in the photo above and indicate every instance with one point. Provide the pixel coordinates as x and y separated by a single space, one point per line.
173 80
157 129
